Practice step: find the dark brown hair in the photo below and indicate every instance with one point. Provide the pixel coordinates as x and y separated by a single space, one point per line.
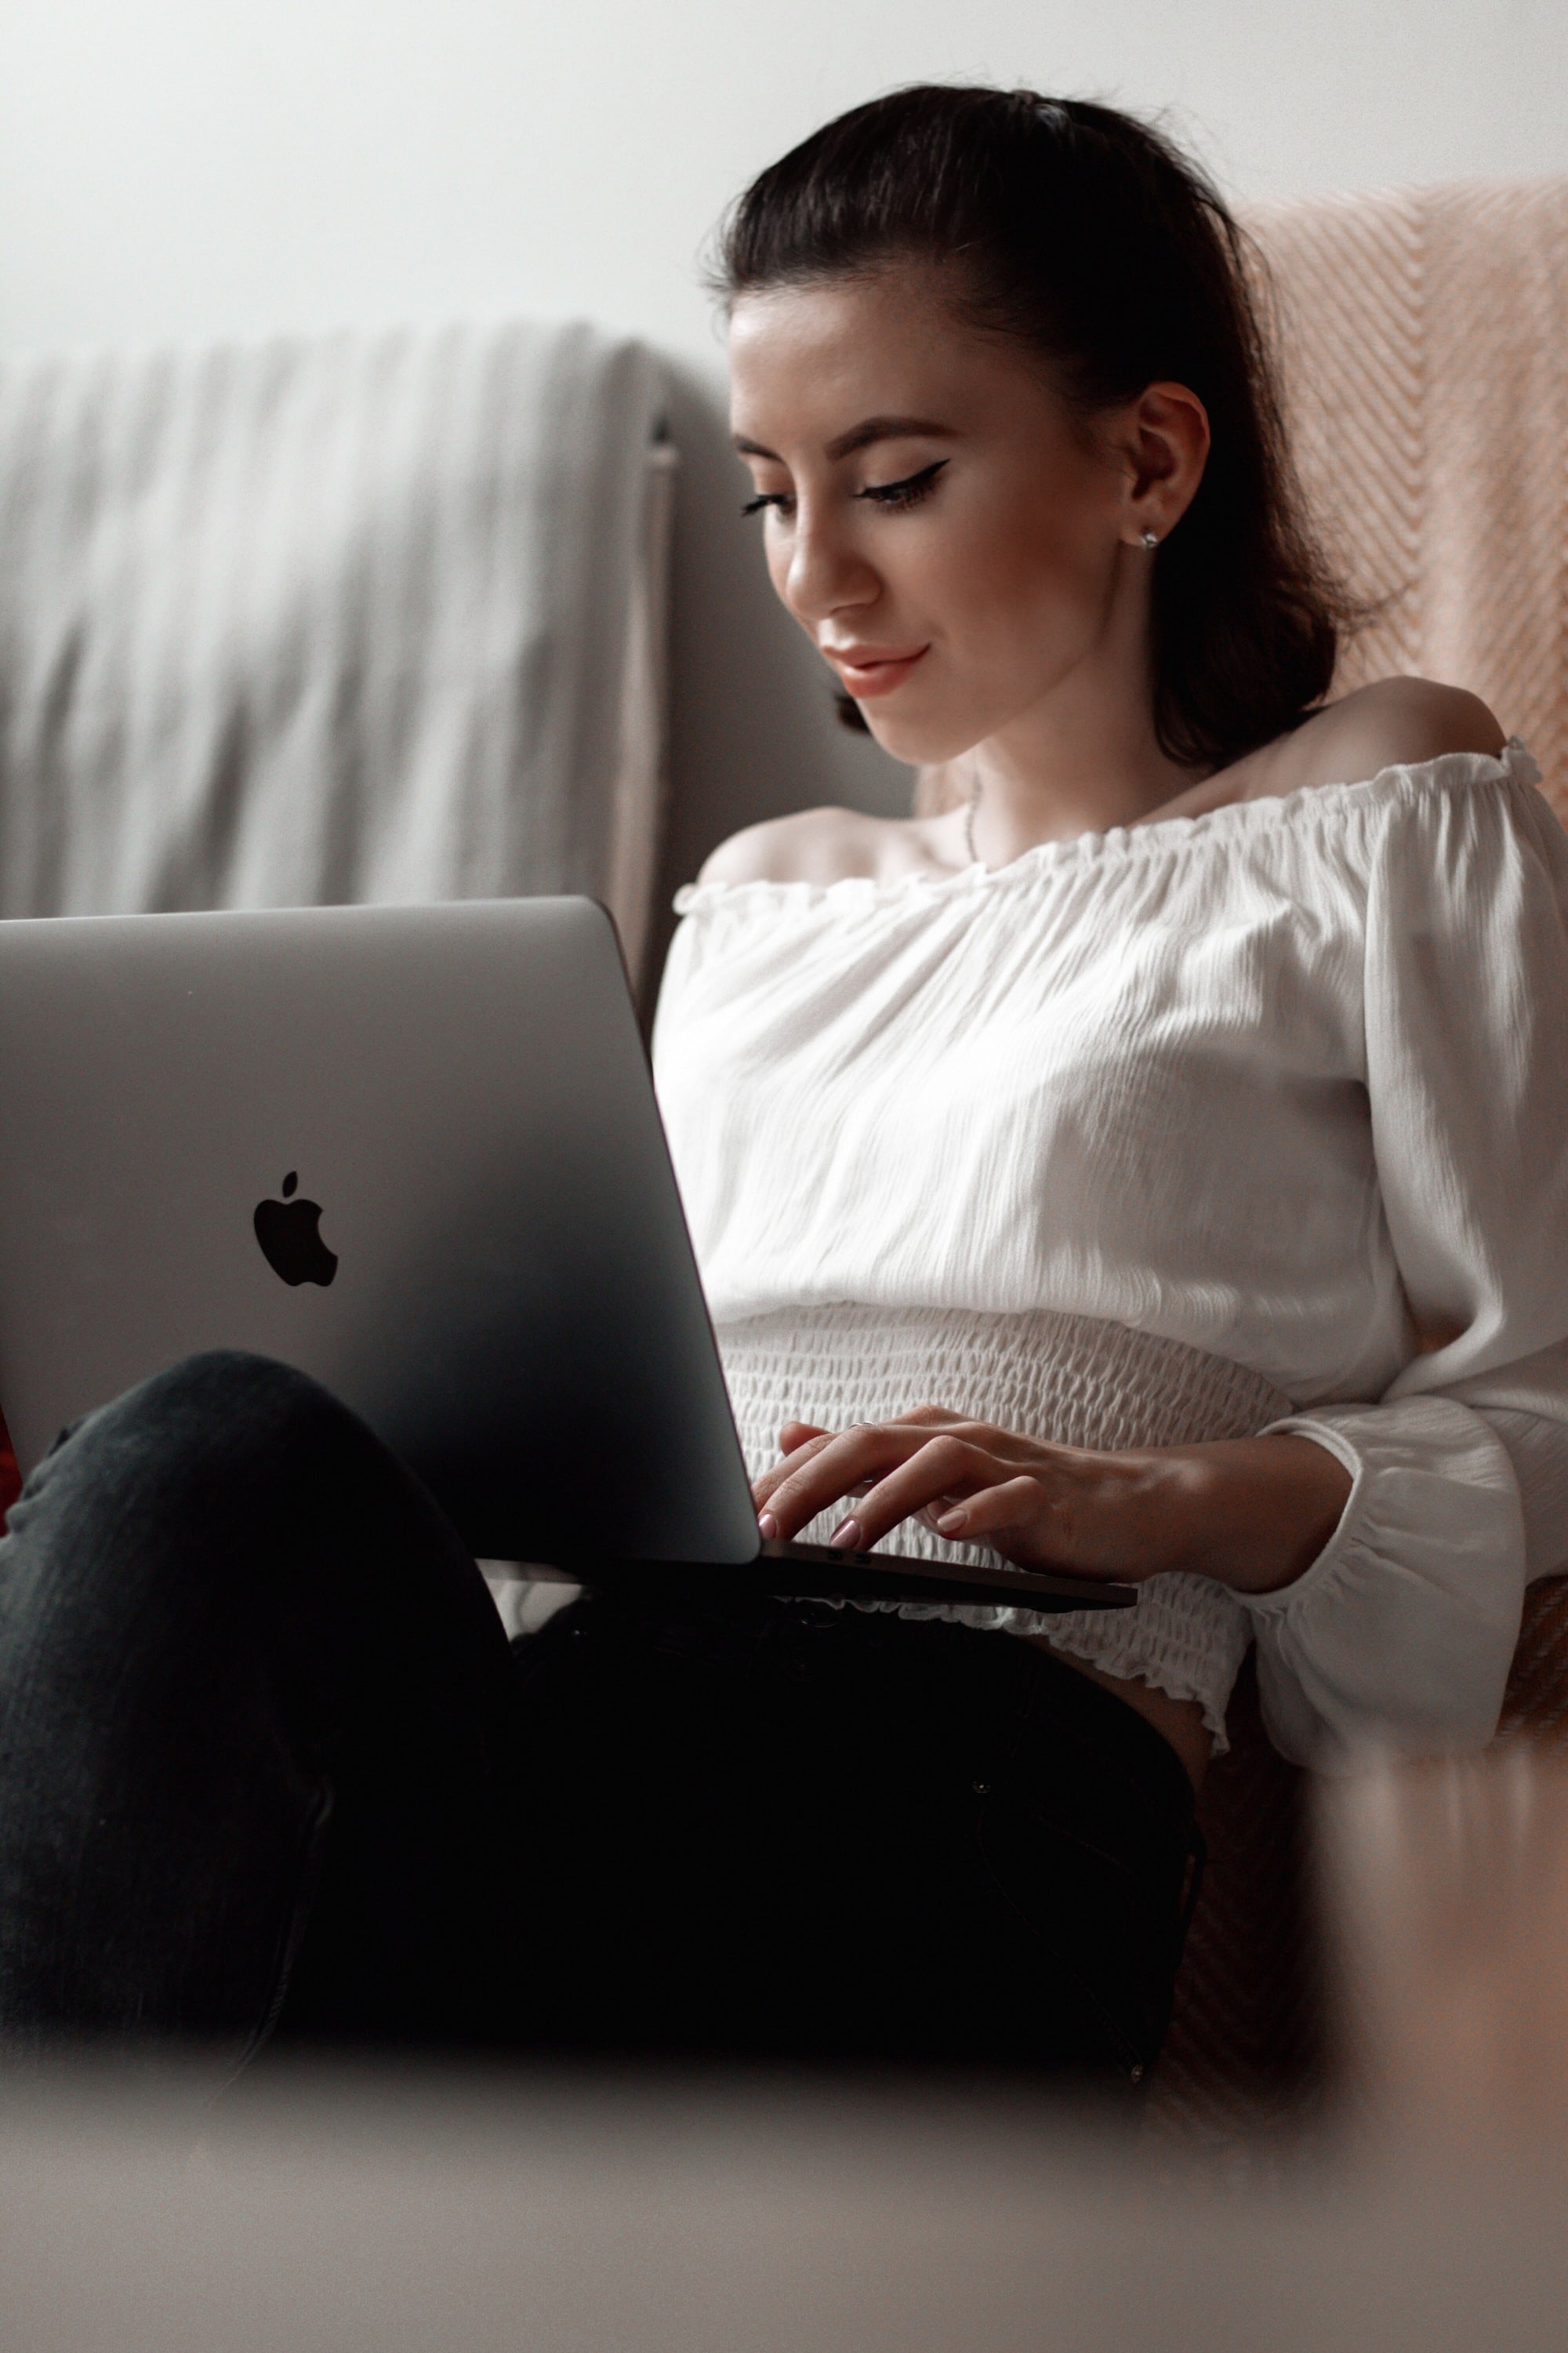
1096 243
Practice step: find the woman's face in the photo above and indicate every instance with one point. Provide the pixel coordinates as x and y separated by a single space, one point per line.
952 541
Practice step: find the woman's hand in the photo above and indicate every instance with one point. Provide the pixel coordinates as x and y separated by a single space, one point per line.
1253 1512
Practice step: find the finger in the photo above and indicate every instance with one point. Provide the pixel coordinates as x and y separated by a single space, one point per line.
765 1486
1018 1519
828 1470
825 1470
944 1465
1006 1445
1032 1521
796 1434
1014 1508
765 1489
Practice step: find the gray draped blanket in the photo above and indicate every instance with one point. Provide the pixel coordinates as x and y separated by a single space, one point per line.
329 619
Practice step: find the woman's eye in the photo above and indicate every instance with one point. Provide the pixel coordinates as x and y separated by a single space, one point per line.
908 492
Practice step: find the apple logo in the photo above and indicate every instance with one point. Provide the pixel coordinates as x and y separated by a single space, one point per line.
291 1243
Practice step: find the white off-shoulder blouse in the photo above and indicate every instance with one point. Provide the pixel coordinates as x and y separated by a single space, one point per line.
1253 1120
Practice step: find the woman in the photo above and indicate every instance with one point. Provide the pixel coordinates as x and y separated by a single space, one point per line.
1152 1164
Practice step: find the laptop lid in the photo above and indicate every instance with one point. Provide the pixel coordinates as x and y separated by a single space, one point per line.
414 1150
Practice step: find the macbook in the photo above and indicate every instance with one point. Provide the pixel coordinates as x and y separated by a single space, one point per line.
415 1152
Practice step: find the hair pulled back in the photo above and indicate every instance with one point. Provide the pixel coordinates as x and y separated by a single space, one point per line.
1095 243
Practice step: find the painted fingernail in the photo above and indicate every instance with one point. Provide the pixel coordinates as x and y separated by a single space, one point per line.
767 1526
950 1523
846 1535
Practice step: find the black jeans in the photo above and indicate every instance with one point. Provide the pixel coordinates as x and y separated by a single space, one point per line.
270 1770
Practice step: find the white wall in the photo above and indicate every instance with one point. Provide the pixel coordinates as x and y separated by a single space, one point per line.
178 168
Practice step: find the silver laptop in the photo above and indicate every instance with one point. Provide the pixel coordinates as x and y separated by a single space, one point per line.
415 1152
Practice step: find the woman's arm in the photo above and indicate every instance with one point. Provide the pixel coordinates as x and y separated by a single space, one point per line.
1403 1632
1252 1512
1399 1629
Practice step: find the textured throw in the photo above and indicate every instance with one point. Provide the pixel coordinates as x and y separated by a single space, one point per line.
350 618
1425 339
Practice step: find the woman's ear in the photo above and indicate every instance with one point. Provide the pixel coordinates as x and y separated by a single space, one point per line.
1164 437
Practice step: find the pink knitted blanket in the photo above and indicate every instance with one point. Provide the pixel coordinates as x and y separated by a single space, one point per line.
1425 338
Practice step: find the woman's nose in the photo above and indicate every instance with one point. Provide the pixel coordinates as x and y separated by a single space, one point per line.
824 571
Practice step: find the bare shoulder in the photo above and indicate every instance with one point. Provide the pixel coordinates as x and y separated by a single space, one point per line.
1395 722
819 845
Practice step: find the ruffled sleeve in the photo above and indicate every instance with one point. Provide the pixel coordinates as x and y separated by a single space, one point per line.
1402 1631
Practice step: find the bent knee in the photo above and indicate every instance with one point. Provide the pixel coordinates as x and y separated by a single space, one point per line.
224 1386
146 1508
220 1408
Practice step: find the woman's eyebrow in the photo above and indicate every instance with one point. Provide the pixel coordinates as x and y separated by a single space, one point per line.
859 436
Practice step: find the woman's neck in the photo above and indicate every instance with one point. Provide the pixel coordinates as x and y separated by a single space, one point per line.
1014 811
1084 759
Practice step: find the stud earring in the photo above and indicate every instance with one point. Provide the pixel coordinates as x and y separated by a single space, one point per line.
1151 540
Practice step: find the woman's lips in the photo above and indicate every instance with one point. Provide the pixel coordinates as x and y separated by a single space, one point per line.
875 673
